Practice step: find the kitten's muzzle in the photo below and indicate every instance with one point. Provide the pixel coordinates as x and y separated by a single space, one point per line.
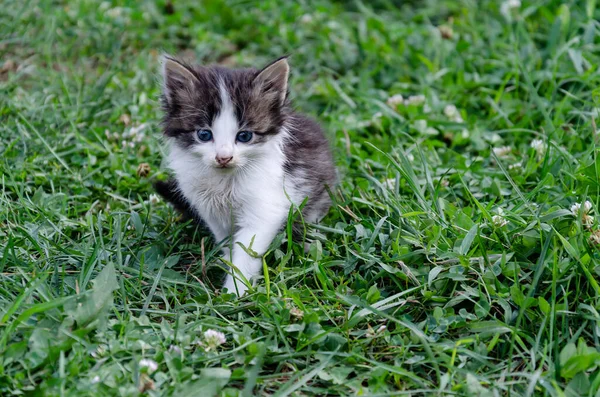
223 160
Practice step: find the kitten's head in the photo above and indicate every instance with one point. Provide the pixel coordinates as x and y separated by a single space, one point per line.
226 118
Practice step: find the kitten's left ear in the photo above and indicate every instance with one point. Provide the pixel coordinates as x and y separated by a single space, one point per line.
273 78
176 75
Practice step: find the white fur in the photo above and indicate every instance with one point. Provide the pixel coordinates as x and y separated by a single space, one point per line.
247 201
225 128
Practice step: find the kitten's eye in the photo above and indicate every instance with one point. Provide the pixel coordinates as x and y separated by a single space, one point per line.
244 136
204 135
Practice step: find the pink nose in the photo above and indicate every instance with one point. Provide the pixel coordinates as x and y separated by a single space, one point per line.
223 160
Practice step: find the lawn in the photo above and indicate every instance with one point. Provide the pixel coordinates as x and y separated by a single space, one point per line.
461 256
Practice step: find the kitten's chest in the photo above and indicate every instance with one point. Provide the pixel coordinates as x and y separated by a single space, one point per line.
221 194
237 193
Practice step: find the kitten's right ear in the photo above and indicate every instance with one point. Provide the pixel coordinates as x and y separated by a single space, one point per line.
272 80
176 75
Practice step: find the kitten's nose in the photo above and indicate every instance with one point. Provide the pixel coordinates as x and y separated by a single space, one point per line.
223 160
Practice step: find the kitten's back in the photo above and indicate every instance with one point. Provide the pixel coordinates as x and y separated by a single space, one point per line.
309 163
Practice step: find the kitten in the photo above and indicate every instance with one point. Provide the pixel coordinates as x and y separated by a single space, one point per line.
241 157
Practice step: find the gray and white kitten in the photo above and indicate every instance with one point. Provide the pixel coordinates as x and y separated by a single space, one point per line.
241 156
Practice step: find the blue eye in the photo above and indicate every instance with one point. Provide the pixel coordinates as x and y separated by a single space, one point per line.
244 136
204 135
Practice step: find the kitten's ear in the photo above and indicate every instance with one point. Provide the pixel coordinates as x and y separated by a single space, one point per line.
176 75
273 78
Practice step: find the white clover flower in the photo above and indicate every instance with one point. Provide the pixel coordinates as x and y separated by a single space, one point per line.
333 25
515 166
395 100
306 18
502 151
154 199
511 4
213 339
95 379
431 131
143 170
595 237
149 365
499 221
575 209
587 208
420 125
507 7
138 129
115 12
495 138
586 219
135 131
297 313
539 146
453 114
125 119
139 138
415 100
100 350
446 31
450 111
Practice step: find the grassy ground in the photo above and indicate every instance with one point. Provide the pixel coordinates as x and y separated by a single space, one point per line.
451 263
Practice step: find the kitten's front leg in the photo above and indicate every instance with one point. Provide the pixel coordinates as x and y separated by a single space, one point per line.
220 228
256 234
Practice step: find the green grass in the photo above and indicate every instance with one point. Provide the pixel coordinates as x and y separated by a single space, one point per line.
412 285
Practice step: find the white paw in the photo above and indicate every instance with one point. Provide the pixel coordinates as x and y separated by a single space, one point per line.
230 286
